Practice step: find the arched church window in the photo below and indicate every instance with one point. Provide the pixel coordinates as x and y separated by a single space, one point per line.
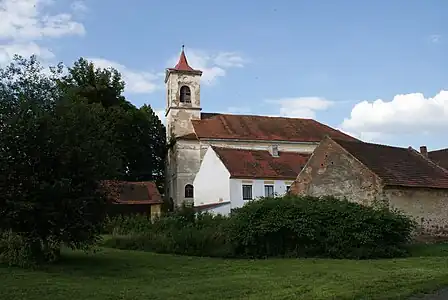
189 191
185 94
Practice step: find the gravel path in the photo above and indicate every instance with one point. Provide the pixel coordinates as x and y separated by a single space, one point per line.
438 295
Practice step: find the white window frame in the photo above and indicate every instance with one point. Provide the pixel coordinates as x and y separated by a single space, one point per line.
265 190
251 191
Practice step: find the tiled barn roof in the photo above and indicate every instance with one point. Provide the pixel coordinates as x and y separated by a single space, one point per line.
144 192
440 157
398 166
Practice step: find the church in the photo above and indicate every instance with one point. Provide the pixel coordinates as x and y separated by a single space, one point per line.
217 162
221 160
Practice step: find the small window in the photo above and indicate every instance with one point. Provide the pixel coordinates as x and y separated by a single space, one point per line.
269 191
247 192
185 94
189 191
288 187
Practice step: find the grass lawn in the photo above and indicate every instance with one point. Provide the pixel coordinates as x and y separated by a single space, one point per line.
114 274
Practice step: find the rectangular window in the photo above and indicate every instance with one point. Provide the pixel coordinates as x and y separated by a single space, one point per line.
247 192
269 191
287 188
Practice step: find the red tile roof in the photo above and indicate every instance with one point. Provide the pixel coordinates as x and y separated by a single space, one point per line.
262 128
242 163
398 166
182 64
127 192
440 157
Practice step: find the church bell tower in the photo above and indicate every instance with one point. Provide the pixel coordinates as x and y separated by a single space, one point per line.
183 104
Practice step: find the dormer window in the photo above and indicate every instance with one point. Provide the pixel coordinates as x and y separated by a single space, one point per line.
274 150
185 94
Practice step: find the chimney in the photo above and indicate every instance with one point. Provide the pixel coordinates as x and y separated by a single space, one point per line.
424 151
274 150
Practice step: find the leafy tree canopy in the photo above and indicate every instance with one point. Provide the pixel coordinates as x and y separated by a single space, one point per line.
60 135
139 134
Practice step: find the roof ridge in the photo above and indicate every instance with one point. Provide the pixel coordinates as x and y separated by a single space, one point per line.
427 159
438 150
263 116
368 143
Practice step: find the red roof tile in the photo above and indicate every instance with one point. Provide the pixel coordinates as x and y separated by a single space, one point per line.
398 166
262 128
440 157
243 163
182 64
127 192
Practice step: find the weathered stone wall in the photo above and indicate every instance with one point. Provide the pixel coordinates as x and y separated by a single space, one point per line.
183 158
332 171
188 162
179 115
428 207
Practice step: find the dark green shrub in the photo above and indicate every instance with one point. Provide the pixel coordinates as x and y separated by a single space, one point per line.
140 223
187 241
317 227
18 250
270 227
126 224
204 236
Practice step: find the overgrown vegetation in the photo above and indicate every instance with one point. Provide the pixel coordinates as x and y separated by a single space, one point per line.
180 232
60 135
273 227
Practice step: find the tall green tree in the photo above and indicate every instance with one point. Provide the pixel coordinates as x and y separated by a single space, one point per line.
54 150
139 134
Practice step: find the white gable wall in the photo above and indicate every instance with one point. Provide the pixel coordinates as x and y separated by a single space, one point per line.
258 145
188 156
236 189
211 183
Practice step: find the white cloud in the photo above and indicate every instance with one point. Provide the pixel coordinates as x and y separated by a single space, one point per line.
25 22
404 114
229 60
137 82
301 107
364 136
26 49
212 65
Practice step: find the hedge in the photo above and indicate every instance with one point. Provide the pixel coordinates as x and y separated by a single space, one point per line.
288 226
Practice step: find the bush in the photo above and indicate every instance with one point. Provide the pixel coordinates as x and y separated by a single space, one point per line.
18 250
127 224
272 227
318 227
181 232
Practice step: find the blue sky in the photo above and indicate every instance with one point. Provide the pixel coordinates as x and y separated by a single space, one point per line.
329 60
